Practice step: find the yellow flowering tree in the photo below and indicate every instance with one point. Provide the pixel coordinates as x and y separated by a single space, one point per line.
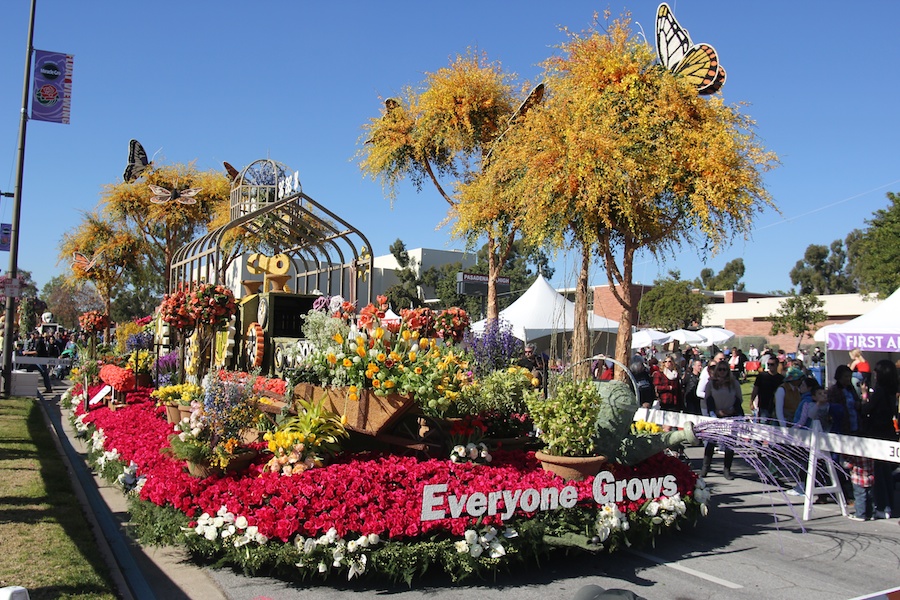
622 156
444 134
166 227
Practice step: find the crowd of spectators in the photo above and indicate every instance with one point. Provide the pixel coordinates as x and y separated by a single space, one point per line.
861 400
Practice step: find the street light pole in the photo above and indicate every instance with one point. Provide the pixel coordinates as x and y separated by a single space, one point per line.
17 203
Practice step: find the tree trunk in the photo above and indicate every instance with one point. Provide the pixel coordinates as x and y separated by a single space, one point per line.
581 335
623 338
494 266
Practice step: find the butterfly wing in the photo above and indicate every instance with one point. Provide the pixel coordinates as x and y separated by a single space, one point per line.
700 66
187 196
672 40
232 172
160 194
137 161
80 261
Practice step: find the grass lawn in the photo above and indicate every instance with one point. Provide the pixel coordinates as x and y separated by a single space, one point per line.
47 544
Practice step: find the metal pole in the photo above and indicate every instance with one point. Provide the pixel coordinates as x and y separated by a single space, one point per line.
17 203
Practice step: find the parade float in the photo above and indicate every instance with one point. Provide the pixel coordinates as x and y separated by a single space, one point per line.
296 431
377 451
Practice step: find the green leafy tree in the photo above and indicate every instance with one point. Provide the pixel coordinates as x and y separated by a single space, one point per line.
67 300
822 270
621 157
671 304
798 315
405 293
876 251
729 278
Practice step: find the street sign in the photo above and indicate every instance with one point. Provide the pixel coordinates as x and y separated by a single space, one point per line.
476 284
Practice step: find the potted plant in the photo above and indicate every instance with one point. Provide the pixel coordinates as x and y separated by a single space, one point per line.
498 399
566 422
305 440
211 437
177 399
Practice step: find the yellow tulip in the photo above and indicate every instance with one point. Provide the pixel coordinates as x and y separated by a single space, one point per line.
406 335
338 338
332 358
423 343
348 363
388 384
412 357
379 333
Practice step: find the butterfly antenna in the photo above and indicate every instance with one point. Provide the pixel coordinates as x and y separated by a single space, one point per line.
641 28
152 158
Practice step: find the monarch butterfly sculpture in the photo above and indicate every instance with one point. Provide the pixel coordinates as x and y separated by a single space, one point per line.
82 262
699 63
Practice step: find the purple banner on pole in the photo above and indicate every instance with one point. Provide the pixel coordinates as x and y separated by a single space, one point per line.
876 342
52 97
5 235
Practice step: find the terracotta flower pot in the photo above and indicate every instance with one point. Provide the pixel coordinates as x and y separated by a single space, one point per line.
184 412
571 468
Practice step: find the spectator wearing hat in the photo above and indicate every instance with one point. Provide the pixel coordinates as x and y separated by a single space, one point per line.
788 395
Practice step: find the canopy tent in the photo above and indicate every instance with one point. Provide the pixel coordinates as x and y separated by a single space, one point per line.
542 311
714 335
643 338
877 330
876 333
687 336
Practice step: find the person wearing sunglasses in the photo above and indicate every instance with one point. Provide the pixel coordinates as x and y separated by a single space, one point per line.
723 400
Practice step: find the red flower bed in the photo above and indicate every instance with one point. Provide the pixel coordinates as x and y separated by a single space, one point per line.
359 494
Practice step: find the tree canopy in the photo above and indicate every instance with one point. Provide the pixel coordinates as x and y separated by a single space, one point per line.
875 252
798 315
729 278
620 157
444 133
671 304
166 227
823 270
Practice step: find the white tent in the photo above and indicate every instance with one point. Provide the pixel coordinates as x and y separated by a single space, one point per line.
877 330
876 333
542 311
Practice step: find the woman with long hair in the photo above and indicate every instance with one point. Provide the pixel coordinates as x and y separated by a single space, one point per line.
723 399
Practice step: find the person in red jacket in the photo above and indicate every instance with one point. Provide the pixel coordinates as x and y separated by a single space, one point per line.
667 382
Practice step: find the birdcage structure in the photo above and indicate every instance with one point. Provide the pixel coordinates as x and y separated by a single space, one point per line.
269 212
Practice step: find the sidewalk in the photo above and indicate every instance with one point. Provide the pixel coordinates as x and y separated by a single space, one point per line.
140 572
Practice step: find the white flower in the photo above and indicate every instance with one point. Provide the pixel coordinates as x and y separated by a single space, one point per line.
210 533
374 539
241 522
322 567
497 549
470 536
652 508
476 550
461 546
352 546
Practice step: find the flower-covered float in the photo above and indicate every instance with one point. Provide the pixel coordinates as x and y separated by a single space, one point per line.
315 500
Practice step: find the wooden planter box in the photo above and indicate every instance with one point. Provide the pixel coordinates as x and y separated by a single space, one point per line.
370 414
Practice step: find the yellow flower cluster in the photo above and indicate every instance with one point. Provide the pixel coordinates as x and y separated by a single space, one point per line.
183 393
645 427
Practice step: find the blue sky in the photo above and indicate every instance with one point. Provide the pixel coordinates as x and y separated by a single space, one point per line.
210 81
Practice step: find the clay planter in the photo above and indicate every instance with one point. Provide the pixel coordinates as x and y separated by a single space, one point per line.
571 468
241 461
